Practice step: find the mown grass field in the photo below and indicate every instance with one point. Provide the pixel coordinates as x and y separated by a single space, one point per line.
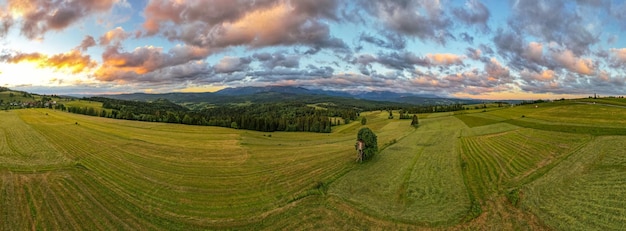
561 166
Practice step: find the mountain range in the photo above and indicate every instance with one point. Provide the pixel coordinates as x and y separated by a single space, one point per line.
278 93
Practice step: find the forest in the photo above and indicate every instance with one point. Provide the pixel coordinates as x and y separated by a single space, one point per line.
299 113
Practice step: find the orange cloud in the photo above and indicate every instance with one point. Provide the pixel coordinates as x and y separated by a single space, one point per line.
445 59
260 26
119 65
544 76
116 35
572 63
73 62
39 16
221 24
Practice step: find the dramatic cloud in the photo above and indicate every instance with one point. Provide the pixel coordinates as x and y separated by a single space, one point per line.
39 16
553 20
424 19
468 47
568 60
118 65
72 62
254 24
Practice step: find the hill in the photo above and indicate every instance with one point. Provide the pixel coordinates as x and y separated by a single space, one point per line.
547 166
280 93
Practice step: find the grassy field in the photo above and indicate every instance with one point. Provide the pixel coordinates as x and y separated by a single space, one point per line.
476 170
418 180
586 192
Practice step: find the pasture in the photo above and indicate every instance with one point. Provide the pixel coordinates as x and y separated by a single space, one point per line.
559 167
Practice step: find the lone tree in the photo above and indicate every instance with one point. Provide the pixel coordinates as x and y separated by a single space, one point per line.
367 144
415 122
363 121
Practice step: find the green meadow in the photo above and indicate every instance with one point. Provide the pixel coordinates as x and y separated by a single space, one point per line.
548 166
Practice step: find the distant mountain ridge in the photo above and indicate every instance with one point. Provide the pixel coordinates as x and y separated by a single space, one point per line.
277 93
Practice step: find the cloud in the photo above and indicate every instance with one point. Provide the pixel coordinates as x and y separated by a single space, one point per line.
87 42
424 19
39 16
232 64
73 62
494 77
534 52
168 76
255 24
474 13
115 36
544 76
445 59
618 58
277 59
497 72
568 60
391 40
473 53
406 60
118 65
554 20
467 38
617 11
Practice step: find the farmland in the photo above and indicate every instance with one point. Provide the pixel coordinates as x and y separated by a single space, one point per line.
548 166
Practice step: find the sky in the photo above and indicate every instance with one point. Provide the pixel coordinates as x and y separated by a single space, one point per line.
487 49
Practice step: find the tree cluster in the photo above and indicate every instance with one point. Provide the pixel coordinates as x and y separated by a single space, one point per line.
371 142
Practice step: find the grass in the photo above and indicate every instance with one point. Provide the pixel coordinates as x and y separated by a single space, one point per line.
493 170
165 176
495 163
24 149
83 104
418 180
586 191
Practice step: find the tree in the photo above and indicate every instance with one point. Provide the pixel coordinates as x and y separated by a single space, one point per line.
415 122
187 119
371 142
234 125
363 121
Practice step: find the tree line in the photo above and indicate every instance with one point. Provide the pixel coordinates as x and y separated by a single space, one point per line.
267 117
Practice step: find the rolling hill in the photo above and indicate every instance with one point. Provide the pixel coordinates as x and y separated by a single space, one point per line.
556 166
